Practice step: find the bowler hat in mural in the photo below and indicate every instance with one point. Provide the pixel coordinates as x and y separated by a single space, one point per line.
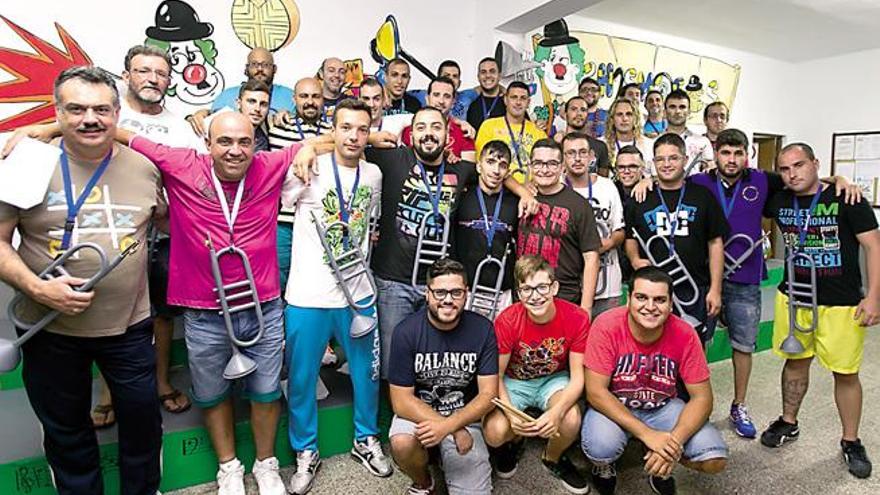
694 83
556 33
177 21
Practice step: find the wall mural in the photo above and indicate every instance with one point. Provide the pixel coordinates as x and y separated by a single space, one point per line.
269 24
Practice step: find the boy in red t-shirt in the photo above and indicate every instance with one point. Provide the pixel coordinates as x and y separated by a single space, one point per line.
541 343
634 356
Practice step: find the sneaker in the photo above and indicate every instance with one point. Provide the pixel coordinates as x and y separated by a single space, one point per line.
417 490
329 358
605 478
267 476
230 478
565 471
506 459
662 486
856 458
742 422
369 453
307 464
780 432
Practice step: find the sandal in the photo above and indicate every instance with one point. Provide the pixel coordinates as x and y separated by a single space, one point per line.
172 396
103 416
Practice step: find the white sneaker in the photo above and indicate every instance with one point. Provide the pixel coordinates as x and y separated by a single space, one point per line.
307 464
230 478
268 480
369 453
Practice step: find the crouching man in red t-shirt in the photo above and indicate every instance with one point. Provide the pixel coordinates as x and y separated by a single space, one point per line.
540 362
634 355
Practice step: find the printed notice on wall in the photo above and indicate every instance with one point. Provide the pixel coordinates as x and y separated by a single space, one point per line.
867 147
844 147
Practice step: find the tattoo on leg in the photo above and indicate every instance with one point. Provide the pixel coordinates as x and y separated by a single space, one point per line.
793 392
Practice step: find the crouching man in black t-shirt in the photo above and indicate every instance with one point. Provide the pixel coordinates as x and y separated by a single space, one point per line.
443 374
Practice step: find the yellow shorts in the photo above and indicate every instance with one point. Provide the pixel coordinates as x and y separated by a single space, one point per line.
838 340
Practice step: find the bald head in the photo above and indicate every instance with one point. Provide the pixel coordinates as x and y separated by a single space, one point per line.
260 65
333 75
231 143
309 98
224 121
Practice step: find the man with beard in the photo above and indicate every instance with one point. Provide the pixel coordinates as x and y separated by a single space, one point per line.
441 95
634 357
655 122
603 197
563 231
458 109
443 377
576 122
541 366
715 117
373 94
678 108
589 90
624 128
397 77
332 77
490 102
260 66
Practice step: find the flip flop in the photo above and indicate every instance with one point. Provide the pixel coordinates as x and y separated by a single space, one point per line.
172 396
105 412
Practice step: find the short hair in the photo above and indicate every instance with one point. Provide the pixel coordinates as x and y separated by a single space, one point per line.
732 137
530 264
652 91
397 61
567 103
489 59
446 266
91 74
448 63
574 136
519 85
588 80
148 51
631 149
677 94
715 104
804 147
441 80
254 85
351 104
498 147
626 87
652 274
371 82
671 138
428 108
546 143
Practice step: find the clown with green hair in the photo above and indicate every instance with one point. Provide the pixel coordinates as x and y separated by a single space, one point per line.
561 60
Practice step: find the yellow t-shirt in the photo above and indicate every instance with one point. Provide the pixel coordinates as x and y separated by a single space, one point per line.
496 128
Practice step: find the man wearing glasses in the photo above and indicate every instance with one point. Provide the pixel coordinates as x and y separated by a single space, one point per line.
563 231
589 90
576 121
541 343
443 377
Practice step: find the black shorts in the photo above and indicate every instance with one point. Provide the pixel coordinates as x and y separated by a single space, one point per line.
158 274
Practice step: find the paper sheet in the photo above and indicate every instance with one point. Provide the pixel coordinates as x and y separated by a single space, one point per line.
26 172
867 147
844 147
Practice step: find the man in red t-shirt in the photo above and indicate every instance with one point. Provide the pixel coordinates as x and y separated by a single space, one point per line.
634 356
441 95
540 362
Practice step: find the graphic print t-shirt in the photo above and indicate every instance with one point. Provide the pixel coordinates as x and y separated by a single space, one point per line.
496 128
643 376
830 241
405 201
540 350
608 213
700 219
561 232
443 365
471 235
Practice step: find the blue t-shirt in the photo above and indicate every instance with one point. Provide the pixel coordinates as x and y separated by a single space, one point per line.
281 99
459 109
443 365
654 127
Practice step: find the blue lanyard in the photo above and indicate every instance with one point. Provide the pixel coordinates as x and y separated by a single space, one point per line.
802 229
589 186
434 198
727 206
654 126
345 209
516 144
490 228
672 218
491 107
299 129
74 207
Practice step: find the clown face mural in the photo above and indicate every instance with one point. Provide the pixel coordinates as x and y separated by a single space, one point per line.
195 79
561 59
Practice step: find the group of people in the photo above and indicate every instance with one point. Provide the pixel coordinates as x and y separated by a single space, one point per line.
375 222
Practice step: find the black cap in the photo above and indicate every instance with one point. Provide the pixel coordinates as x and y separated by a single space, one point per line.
177 21
556 33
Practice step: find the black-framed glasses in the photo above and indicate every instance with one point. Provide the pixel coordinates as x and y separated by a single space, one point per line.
552 164
440 294
526 291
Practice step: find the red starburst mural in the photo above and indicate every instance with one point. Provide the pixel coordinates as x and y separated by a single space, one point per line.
35 74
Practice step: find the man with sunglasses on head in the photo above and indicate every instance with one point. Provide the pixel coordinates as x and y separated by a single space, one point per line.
541 343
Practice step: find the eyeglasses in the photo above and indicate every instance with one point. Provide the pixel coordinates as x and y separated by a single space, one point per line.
144 72
664 159
628 168
526 291
260 65
577 153
440 294
552 164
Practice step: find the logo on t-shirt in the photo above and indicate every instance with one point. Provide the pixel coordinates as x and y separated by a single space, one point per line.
415 203
442 377
644 381
548 227
659 221
822 242
538 361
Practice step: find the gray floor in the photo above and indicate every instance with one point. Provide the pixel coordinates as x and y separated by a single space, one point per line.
812 465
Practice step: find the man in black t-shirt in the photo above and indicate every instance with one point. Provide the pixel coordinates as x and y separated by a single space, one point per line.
490 103
690 220
563 231
397 77
442 381
826 233
576 121
480 217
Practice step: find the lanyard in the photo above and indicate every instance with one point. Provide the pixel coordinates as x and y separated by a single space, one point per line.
345 209
727 206
491 107
490 228
672 218
221 197
802 229
589 187
517 144
654 126
299 129
434 198
73 207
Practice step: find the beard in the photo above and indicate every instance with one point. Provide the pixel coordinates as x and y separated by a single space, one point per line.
428 156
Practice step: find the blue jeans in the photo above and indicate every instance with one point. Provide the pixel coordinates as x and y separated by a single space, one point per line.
603 440
396 301
209 349
57 376
741 311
